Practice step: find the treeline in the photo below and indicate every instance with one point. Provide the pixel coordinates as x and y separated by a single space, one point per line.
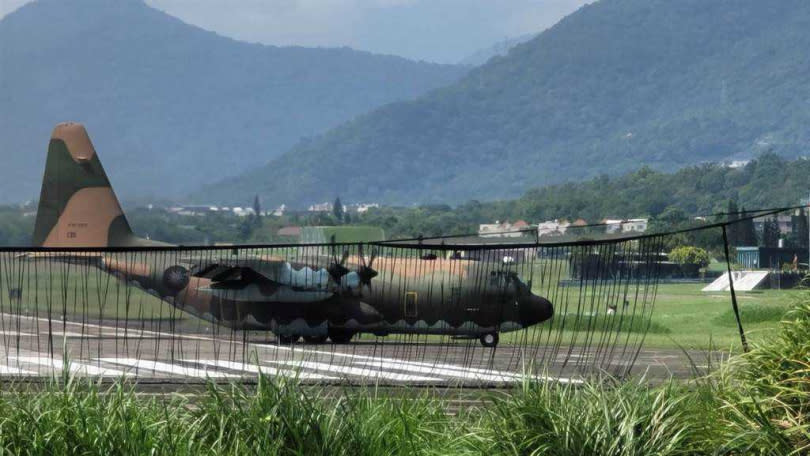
669 200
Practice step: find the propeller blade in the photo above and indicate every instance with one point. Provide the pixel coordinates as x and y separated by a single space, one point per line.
360 254
345 257
373 256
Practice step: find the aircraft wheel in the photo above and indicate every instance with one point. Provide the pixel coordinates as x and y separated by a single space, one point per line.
288 339
340 337
489 339
314 339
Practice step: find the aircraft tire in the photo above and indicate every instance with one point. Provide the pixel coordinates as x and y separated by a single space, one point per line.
288 339
489 339
315 339
340 337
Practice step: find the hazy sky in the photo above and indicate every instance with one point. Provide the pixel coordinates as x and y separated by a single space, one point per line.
434 30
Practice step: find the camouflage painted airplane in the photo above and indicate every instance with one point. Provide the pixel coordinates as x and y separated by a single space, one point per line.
321 297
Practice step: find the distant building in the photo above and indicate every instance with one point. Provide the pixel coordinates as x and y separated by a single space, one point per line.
737 164
362 208
637 225
204 209
504 229
279 211
612 225
243 211
769 257
554 227
194 209
321 207
785 222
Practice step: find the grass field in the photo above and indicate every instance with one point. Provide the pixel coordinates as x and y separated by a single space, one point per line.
683 316
696 319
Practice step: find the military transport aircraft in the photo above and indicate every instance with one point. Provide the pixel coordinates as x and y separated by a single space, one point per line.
317 296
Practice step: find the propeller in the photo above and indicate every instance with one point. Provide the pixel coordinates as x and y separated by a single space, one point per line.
337 269
366 271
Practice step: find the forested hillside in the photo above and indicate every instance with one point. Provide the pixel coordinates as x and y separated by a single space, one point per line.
170 106
616 85
769 181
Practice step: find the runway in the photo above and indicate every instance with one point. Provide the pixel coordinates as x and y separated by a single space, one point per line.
38 348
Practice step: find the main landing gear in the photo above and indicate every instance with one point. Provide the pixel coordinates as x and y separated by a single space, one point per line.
489 339
340 336
314 339
337 336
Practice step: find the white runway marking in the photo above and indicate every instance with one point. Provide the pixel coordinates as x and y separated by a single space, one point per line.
360 372
8 370
15 333
74 367
140 332
455 373
167 368
65 334
254 369
515 376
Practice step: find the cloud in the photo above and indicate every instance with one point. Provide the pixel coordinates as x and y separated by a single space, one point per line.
7 6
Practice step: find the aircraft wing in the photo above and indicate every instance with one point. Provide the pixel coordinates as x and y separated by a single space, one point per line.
257 269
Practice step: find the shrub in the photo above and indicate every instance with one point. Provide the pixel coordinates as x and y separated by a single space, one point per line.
690 255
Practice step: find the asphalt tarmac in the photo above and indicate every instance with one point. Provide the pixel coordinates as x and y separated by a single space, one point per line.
37 348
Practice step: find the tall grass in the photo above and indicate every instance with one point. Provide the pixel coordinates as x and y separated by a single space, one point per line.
757 403
276 418
599 418
767 407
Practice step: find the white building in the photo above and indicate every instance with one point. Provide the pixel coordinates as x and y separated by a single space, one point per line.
363 207
279 211
243 211
504 229
554 227
637 225
321 207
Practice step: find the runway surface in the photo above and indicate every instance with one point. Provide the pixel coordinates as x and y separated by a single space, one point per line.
34 347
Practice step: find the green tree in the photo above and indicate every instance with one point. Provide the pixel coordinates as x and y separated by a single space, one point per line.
690 255
257 210
337 210
746 233
733 227
770 233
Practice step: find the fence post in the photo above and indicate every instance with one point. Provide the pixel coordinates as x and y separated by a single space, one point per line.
733 294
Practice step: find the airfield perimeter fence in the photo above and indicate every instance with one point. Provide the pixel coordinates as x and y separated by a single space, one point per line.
189 314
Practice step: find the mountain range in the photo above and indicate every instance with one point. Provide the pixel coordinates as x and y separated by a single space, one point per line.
616 85
170 106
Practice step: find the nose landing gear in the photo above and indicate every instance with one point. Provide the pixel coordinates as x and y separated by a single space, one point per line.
489 339
314 339
285 339
340 336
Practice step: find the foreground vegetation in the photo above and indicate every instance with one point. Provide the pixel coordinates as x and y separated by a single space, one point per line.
755 404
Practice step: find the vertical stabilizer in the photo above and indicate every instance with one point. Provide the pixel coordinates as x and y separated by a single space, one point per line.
77 205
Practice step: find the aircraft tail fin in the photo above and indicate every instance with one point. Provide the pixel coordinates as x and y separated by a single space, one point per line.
77 205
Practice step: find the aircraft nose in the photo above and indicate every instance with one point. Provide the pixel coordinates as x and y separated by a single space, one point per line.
535 309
